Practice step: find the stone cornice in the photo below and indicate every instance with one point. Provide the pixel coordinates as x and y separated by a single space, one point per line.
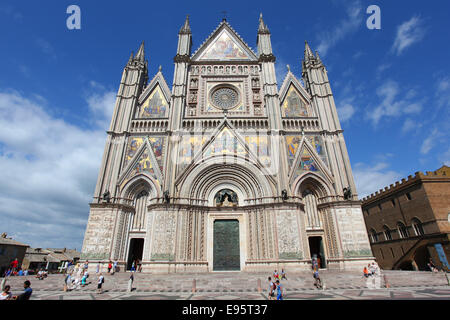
121 206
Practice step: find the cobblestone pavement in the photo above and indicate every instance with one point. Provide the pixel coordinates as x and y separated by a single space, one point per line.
237 286
436 293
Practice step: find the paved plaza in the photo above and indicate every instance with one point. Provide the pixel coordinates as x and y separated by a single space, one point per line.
244 286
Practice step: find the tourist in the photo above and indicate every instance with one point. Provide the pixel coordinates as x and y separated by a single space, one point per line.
6 294
283 275
27 292
366 272
133 267
431 266
279 290
109 266
25 273
272 288
101 280
40 274
314 264
14 265
275 275
86 265
20 273
114 266
317 281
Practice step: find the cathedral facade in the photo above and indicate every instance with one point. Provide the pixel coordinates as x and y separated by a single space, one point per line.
225 170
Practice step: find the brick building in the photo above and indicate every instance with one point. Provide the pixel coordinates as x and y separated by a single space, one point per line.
409 222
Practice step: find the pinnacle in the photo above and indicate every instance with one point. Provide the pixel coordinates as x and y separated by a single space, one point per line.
262 26
140 55
308 51
186 28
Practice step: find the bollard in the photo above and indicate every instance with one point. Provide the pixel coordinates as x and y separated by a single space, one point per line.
194 286
130 285
259 286
386 283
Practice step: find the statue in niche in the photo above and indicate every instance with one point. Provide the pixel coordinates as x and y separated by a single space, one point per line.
284 194
347 193
166 197
107 196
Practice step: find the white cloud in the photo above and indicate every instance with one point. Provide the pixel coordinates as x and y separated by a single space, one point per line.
371 178
49 171
391 105
345 112
408 33
443 92
409 125
353 20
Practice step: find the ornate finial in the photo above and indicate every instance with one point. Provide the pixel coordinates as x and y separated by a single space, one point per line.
288 68
224 16
160 68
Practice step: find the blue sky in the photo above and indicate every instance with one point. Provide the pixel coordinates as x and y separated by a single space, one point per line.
57 89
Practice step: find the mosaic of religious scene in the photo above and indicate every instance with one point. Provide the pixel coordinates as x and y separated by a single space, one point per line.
224 48
317 143
225 143
189 146
259 145
157 146
133 145
293 105
144 164
155 106
292 143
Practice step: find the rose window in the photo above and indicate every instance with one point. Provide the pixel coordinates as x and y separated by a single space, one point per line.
225 98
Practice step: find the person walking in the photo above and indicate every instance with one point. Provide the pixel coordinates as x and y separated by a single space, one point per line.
272 288
26 293
114 266
101 280
317 281
279 290
6 293
109 266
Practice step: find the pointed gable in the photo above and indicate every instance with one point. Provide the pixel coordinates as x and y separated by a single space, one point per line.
222 45
154 101
155 106
310 157
292 143
294 99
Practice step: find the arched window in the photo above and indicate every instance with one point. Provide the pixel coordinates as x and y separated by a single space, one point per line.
402 230
418 228
373 235
387 233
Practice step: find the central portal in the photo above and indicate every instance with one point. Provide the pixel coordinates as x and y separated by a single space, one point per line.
226 246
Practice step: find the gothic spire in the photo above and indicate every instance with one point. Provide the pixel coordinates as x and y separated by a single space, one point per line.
186 28
262 26
140 55
308 52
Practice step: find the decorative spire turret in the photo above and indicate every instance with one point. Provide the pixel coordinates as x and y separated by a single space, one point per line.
308 52
186 28
140 55
263 41
262 26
